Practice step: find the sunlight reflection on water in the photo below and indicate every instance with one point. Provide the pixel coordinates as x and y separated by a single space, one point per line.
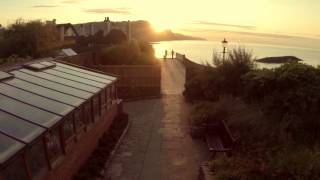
201 51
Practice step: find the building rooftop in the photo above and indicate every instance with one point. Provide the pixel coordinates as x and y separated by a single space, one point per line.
35 97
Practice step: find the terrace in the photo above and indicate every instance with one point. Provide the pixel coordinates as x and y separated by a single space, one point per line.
48 109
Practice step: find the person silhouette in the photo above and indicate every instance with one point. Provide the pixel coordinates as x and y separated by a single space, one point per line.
172 54
165 54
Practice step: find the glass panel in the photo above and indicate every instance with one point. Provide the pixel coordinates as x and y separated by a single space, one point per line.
36 160
35 100
87 71
28 112
62 81
15 171
52 85
79 119
4 75
96 107
48 63
87 113
68 127
8 147
75 78
53 144
67 99
113 92
19 128
80 74
103 98
35 66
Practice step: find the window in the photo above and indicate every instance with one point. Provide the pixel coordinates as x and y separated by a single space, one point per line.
68 128
103 98
36 159
16 170
87 113
96 107
53 144
114 92
79 119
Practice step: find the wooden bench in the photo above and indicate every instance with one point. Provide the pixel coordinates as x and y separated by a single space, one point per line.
219 139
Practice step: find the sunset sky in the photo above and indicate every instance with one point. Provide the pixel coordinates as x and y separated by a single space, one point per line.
268 21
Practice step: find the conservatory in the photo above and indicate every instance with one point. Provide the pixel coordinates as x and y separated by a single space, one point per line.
45 108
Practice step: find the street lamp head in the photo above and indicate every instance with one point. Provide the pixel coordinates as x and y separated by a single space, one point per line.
224 43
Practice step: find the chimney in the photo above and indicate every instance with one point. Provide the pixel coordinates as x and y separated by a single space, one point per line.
107 26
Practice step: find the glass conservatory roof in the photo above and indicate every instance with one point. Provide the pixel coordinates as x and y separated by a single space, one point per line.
37 96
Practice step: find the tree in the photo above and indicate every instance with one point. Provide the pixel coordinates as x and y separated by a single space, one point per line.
116 36
28 39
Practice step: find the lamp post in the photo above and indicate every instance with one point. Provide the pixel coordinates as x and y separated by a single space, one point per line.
224 45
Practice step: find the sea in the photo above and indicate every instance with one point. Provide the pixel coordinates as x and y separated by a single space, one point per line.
202 51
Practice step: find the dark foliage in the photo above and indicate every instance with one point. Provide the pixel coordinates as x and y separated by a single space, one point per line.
115 37
96 162
128 53
28 39
224 78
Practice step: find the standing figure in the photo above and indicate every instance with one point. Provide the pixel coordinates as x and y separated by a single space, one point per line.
165 54
172 54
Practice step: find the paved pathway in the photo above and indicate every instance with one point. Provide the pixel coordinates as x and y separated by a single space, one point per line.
158 145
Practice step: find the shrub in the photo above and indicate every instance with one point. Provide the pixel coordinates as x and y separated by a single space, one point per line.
128 53
223 78
28 39
286 163
289 95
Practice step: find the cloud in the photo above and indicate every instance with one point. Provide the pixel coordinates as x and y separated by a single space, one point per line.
44 6
226 25
257 34
72 1
109 10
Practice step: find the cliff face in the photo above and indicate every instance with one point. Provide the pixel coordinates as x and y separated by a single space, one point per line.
142 30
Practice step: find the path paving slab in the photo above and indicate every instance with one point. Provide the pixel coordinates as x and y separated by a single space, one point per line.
158 145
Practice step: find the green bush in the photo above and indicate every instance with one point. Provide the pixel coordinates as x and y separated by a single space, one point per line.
286 163
28 39
289 95
223 78
128 53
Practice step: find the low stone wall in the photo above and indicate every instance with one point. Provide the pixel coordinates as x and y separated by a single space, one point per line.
192 68
138 81
180 57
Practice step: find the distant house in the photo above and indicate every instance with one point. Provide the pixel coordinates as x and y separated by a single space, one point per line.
91 28
67 31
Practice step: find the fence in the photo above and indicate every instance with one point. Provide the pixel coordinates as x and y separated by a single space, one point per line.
135 81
